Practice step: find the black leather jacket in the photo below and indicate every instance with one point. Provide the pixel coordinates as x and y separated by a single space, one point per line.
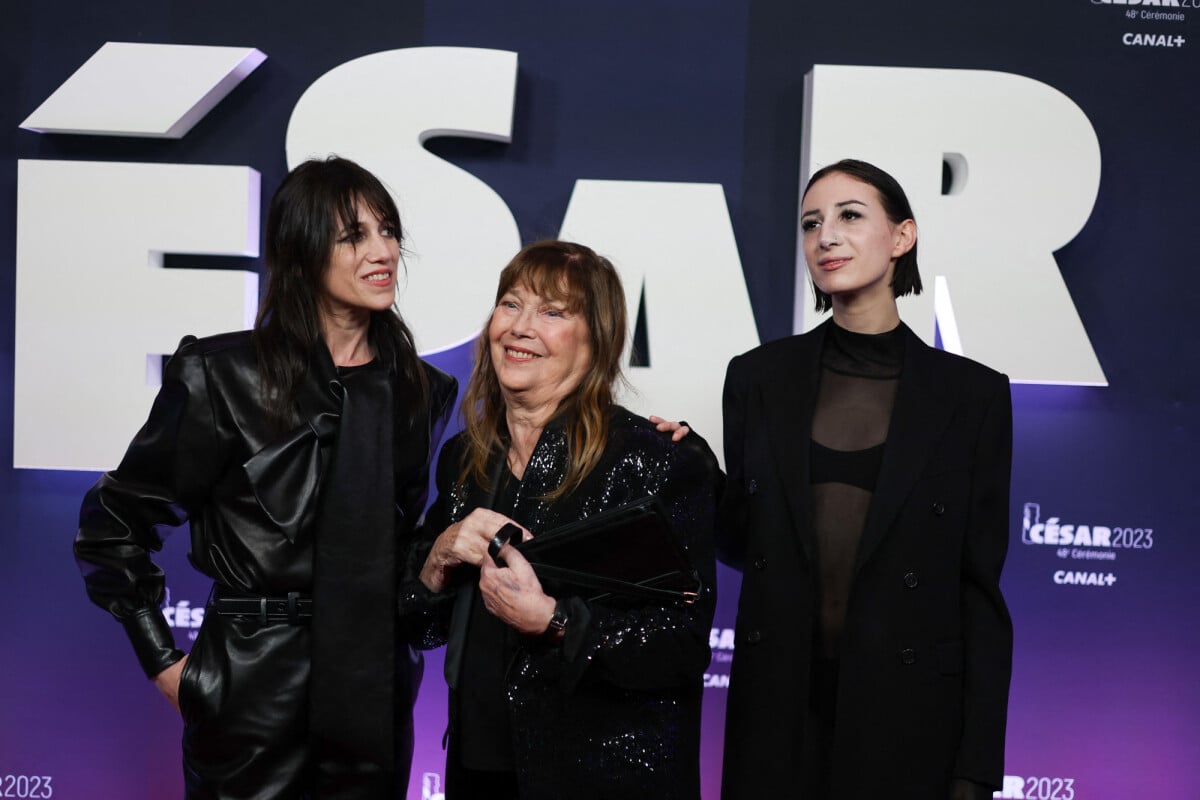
614 710
208 455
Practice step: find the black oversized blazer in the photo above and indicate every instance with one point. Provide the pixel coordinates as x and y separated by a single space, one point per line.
927 645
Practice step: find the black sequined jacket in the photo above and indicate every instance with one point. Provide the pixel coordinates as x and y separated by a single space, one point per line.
614 710
208 455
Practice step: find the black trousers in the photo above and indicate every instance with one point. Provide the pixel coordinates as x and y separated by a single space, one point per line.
244 699
474 784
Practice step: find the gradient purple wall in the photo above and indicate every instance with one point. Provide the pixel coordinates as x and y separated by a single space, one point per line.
1105 702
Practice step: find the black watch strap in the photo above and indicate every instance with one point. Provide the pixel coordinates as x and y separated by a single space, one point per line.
558 620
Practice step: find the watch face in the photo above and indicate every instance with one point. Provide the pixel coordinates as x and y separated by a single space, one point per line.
558 620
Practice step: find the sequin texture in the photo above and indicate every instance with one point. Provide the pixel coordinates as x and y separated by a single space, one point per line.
614 710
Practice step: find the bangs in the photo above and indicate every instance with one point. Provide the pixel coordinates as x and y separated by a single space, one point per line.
549 273
379 203
354 189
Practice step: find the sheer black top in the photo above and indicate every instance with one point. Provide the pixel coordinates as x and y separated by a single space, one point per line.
859 376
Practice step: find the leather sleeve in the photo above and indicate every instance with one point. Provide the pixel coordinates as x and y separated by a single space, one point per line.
164 477
987 627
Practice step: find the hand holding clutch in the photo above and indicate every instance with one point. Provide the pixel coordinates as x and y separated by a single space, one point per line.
630 552
464 542
512 593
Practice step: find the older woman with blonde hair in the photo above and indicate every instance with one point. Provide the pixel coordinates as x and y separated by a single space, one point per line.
557 695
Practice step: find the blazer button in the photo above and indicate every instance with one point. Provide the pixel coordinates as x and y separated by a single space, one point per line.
910 580
754 637
760 563
908 656
752 487
937 508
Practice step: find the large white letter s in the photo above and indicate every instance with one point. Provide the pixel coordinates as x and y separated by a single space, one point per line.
378 110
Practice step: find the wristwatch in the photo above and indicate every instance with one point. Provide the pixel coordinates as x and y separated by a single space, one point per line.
558 621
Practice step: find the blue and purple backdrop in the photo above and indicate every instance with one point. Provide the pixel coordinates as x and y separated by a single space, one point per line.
1105 702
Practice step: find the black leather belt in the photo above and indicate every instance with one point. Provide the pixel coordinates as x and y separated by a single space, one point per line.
293 609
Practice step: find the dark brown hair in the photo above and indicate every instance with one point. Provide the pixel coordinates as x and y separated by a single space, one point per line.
315 201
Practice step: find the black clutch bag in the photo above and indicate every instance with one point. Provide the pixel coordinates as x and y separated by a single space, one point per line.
627 552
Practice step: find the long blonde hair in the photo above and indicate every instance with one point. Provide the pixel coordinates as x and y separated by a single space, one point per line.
587 284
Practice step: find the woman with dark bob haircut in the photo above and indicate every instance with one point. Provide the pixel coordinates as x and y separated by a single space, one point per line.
867 506
299 452
561 696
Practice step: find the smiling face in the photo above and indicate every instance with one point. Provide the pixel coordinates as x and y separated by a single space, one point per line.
361 274
539 348
850 244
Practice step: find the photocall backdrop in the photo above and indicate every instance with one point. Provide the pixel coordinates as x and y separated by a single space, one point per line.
1049 151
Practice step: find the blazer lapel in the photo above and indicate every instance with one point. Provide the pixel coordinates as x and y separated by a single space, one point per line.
924 406
787 408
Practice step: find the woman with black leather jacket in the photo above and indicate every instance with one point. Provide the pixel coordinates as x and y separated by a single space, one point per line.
299 452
